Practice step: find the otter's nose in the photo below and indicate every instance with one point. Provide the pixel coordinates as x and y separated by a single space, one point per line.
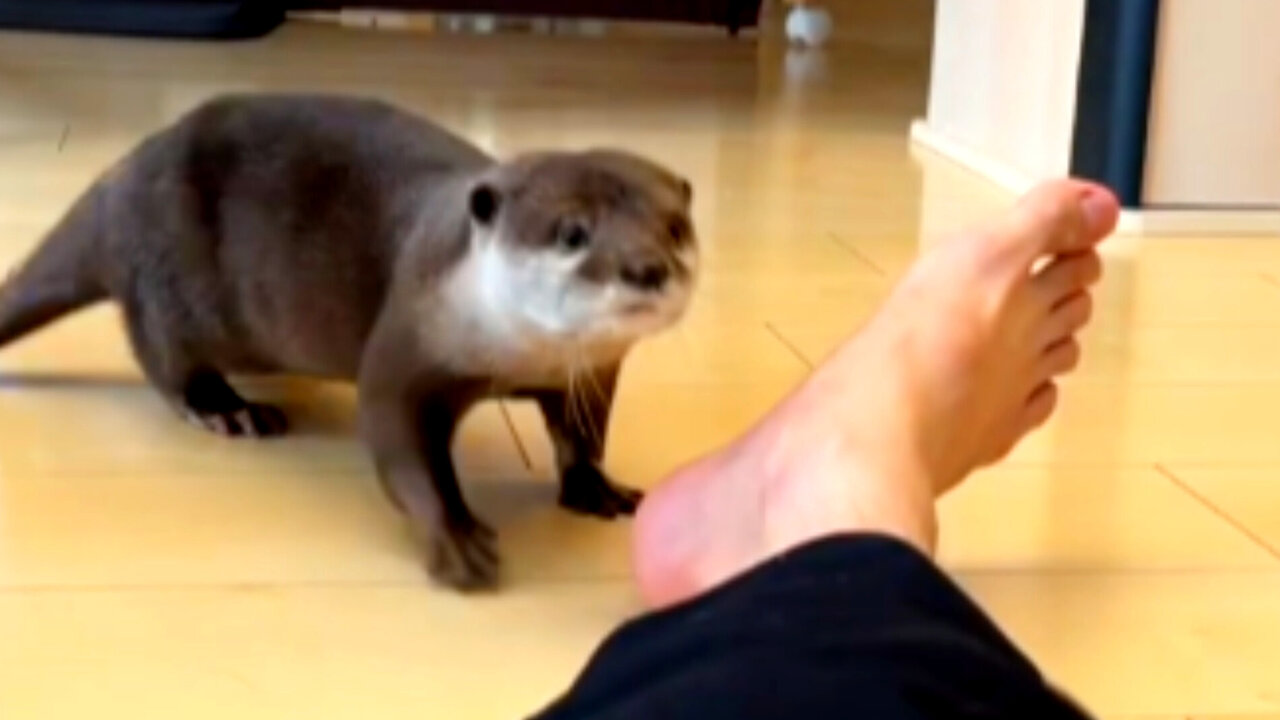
646 276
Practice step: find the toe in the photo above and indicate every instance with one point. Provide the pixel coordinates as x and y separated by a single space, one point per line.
267 420
1066 319
1055 218
1040 407
465 559
216 423
1068 275
253 421
630 498
588 491
1059 359
481 553
625 500
242 420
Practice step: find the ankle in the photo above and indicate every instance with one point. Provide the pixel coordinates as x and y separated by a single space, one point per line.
836 487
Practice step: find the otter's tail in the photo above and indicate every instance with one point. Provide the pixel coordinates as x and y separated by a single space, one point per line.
61 276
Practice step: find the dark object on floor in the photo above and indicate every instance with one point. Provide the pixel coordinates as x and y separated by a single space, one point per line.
733 15
210 19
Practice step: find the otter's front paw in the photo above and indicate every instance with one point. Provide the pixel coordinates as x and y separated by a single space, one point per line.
463 556
253 420
588 491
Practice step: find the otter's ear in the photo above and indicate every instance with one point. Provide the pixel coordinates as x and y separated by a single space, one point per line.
484 203
686 192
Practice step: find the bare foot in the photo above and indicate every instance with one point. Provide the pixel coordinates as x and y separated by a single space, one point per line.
954 370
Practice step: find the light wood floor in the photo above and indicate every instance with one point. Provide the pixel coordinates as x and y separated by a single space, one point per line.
150 571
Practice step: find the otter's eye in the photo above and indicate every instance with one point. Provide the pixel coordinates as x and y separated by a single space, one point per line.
572 236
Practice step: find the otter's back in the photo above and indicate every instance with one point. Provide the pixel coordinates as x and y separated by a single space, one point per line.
273 222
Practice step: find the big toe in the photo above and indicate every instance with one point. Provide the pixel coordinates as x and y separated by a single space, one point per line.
1059 217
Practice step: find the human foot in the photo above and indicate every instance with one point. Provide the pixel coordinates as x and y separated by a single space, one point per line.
956 367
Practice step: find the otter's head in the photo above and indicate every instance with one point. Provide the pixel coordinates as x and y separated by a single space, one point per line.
591 247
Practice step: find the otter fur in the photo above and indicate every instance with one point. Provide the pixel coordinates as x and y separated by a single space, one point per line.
345 238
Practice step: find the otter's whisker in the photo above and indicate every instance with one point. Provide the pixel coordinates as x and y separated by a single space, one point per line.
583 410
593 384
597 433
589 428
571 401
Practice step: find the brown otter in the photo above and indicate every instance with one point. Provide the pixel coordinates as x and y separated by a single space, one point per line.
345 238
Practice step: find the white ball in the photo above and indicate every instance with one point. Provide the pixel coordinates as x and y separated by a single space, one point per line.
810 26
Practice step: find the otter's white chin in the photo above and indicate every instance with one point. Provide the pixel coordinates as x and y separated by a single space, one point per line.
642 316
536 299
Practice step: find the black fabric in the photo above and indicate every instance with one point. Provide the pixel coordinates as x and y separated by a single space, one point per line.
858 626
222 19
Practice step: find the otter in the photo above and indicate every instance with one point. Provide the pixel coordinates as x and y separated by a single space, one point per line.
346 238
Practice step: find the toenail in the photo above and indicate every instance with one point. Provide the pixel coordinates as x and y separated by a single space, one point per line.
1098 207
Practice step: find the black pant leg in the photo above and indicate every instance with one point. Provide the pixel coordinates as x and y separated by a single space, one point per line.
857 626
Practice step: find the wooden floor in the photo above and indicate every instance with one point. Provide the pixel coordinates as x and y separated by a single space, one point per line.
151 571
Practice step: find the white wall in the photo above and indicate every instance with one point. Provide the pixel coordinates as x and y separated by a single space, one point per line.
1004 80
1214 133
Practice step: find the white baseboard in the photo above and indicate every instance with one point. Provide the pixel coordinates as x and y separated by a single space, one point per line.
993 171
1140 221
1200 221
